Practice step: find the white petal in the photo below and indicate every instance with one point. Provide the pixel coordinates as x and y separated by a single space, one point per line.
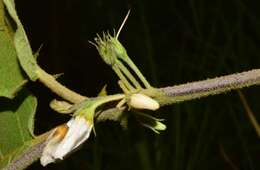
58 146
85 136
79 131
46 159
51 146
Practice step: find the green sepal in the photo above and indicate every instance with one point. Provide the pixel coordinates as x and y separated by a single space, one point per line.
86 109
61 106
150 122
109 48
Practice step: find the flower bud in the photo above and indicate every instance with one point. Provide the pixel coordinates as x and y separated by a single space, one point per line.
141 101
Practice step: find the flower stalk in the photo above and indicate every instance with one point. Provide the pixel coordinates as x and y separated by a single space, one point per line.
112 51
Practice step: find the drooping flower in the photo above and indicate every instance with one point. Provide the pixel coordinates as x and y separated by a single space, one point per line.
66 138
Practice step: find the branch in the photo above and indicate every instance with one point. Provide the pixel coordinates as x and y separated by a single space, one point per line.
194 90
62 91
28 156
166 95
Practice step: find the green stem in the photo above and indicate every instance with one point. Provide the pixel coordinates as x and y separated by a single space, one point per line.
128 74
50 82
137 71
123 78
107 99
123 87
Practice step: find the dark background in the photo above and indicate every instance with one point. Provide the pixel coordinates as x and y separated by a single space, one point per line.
172 42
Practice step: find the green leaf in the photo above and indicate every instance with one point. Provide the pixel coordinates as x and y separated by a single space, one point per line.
21 43
11 77
16 125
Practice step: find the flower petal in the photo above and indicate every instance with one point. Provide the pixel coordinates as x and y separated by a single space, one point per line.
52 143
60 143
79 131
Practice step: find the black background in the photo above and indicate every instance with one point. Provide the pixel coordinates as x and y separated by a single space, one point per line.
172 42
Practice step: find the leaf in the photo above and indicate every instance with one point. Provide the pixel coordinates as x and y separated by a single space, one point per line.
11 77
16 124
21 43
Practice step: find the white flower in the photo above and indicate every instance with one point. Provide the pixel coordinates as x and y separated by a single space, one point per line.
141 101
66 138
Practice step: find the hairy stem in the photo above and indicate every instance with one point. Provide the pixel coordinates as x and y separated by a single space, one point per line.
167 95
180 93
30 155
62 91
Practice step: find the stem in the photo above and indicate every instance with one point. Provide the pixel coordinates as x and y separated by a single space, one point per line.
30 155
227 159
123 87
128 75
250 113
50 82
167 95
137 71
180 93
110 98
122 77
